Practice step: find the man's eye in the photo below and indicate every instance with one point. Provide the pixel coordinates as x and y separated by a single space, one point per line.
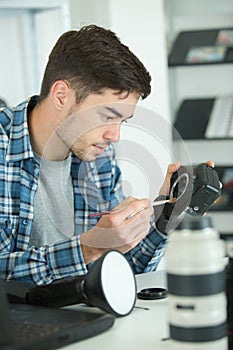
107 118
124 121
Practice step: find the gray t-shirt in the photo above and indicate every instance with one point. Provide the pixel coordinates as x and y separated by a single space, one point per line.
54 203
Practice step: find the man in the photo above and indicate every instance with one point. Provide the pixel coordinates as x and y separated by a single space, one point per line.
58 165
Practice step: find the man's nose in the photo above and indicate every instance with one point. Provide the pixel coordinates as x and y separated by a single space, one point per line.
112 132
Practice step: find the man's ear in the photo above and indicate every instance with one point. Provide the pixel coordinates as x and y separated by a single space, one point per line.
60 92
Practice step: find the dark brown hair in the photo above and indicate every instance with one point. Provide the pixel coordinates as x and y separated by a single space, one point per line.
93 59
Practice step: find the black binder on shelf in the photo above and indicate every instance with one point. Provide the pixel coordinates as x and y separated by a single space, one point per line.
205 118
193 117
198 47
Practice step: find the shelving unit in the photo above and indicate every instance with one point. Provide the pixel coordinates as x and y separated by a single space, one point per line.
28 23
196 86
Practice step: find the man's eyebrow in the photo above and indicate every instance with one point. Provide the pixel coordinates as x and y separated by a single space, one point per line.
116 112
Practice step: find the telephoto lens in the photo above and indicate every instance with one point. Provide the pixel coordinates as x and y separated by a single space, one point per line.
229 289
197 302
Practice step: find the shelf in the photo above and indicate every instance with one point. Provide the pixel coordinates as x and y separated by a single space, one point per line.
205 118
202 47
200 73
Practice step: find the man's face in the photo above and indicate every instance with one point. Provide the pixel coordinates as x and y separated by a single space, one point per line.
93 124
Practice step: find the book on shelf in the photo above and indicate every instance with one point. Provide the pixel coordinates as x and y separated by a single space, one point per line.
206 118
205 54
198 47
220 124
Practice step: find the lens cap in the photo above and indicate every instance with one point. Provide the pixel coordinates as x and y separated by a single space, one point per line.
152 293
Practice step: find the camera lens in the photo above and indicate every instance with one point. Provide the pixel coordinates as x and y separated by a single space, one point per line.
179 186
195 268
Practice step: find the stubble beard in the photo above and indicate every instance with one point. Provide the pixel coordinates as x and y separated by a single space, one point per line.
82 154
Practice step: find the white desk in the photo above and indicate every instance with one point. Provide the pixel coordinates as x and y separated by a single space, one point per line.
142 329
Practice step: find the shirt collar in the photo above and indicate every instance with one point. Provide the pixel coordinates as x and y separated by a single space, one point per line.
19 141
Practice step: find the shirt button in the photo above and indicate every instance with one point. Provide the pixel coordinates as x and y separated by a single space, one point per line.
25 222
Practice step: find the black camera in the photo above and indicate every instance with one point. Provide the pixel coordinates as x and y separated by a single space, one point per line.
195 188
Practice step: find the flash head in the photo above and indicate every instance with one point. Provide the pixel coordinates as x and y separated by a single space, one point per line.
109 285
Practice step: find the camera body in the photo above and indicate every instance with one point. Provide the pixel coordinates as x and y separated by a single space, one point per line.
196 188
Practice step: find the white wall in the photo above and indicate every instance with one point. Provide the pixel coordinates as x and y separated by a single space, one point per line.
12 84
25 42
84 12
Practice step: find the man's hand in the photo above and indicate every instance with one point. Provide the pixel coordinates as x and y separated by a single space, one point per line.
210 163
123 229
171 169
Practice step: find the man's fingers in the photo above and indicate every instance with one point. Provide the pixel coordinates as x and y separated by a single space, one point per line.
171 169
130 208
210 163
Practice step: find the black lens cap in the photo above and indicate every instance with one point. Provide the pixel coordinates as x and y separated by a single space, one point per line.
152 293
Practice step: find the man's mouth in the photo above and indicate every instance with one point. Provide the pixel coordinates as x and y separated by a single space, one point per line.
99 148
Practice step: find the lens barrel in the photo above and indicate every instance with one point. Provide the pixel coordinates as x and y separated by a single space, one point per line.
196 286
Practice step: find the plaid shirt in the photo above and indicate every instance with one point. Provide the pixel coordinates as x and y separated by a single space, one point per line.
96 186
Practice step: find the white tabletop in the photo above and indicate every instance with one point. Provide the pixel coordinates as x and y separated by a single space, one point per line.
142 329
